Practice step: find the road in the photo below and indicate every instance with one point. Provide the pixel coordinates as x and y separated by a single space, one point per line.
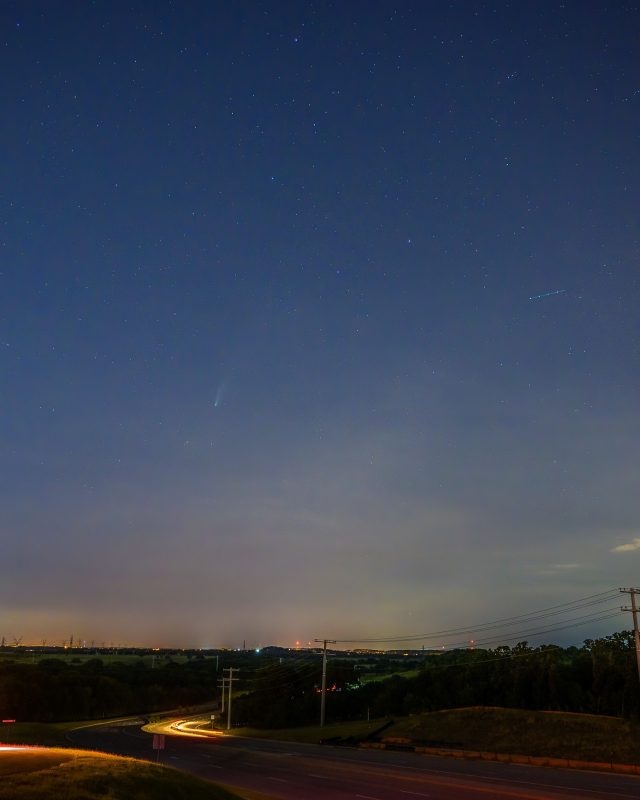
288 771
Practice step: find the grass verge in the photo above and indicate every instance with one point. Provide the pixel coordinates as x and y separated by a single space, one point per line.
314 734
83 775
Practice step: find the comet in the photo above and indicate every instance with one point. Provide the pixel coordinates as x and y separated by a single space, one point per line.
219 395
547 294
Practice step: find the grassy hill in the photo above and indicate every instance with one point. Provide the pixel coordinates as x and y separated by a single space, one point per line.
26 774
550 734
584 737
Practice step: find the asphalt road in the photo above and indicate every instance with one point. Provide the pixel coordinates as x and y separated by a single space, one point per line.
290 771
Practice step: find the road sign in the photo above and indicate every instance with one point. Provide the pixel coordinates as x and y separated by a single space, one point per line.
158 741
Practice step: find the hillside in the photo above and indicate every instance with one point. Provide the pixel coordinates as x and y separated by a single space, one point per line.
29 773
538 733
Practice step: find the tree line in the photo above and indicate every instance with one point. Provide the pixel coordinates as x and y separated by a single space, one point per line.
55 691
600 677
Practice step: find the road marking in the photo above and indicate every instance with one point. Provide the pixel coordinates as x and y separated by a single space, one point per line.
512 781
417 794
367 797
281 780
536 784
311 775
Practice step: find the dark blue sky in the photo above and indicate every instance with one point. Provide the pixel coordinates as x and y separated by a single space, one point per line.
270 364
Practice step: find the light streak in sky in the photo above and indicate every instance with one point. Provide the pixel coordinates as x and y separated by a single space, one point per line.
547 294
219 395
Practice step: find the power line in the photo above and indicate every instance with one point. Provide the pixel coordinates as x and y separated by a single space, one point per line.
504 622
574 623
291 679
585 619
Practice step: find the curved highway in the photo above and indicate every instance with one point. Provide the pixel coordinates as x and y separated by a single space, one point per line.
289 771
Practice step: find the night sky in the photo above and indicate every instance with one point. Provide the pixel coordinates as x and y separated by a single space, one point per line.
316 318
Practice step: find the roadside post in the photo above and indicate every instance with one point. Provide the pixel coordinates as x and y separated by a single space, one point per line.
213 718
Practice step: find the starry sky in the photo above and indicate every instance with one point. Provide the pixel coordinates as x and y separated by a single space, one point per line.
316 318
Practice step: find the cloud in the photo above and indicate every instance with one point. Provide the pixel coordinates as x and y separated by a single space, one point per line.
552 570
625 548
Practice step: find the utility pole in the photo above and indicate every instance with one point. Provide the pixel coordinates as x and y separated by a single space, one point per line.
231 679
634 612
324 676
224 678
